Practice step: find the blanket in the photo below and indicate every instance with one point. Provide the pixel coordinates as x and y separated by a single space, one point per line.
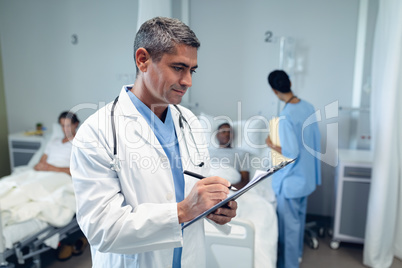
43 195
262 213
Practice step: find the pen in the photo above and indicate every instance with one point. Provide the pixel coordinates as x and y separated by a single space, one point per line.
200 177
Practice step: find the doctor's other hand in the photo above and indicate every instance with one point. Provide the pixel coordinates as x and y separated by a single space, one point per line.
224 214
205 194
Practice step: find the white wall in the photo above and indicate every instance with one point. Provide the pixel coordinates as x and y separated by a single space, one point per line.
234 61
44 73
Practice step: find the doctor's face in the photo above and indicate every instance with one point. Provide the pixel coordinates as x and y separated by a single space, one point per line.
167 80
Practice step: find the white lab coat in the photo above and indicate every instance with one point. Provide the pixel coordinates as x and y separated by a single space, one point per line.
130 217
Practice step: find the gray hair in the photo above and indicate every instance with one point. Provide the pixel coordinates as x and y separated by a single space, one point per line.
160 35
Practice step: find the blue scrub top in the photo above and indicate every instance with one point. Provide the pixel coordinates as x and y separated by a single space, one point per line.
298 138
166 134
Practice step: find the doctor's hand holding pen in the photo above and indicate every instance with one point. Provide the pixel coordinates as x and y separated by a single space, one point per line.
205 194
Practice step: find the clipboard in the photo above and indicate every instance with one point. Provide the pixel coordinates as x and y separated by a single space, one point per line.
237 194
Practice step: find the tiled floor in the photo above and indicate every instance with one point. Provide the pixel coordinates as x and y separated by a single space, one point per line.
81 261
348 256
48 260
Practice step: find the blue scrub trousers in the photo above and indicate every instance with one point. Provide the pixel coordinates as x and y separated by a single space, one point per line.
291 222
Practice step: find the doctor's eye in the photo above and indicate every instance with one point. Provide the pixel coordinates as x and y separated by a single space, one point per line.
192 71
177 68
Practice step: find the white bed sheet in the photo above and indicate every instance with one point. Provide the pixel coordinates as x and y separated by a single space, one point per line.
17 232
31 200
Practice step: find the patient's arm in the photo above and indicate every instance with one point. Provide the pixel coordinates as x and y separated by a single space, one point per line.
42 159
244 179
43 165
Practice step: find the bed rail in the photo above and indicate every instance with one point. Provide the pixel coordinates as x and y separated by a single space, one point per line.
36 245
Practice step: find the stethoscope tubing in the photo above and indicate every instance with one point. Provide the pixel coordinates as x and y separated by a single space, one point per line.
181 125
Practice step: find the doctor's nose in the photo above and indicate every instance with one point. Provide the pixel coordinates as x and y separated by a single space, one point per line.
186 80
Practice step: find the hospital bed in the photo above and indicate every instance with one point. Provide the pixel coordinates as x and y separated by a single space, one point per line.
240 244
35 214
37 239
254 236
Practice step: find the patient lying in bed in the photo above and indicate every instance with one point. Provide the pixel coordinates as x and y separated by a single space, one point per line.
233 165
45 191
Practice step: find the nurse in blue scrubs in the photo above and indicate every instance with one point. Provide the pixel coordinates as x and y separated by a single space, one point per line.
299 138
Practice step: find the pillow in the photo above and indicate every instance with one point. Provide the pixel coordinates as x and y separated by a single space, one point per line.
249 134
209 125
56 132
229 173
254 132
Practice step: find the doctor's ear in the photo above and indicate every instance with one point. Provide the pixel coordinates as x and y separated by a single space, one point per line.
142 58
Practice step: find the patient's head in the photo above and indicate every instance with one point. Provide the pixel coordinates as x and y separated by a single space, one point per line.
279 80
224 135
161 35
69 123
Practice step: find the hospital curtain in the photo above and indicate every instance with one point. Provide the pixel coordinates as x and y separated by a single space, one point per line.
383 239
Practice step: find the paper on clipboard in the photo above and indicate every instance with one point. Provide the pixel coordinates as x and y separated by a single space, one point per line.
234 195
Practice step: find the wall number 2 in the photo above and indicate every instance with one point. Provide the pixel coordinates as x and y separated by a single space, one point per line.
268 36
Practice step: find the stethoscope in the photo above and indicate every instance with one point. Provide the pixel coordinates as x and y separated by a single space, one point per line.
115 163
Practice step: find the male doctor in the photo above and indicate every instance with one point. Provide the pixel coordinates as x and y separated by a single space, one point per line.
132 196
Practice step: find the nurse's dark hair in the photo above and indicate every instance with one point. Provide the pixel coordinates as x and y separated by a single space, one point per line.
160 35
279 80
224 124
69 115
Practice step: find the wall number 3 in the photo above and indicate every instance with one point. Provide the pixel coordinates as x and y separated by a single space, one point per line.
268 36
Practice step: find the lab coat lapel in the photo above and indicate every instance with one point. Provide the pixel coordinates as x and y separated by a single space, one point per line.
181 138
137 125
184 154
